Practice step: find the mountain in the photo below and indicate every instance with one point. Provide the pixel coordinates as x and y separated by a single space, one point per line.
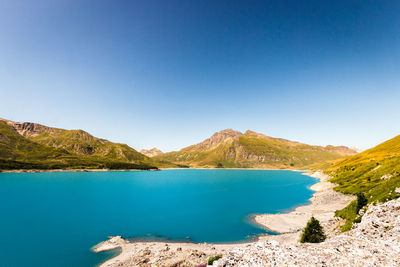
151 152
31 145
76 142
229 148
374 172
17 152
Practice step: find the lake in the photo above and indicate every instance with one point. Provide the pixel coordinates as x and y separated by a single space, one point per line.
54 218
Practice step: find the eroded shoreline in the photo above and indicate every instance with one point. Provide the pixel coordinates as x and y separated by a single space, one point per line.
323 204
127 170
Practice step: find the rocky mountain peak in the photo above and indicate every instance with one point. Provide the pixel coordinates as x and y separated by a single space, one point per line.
219 137
227 133
151 152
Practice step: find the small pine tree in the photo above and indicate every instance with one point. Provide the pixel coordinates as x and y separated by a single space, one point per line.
361 201
313 232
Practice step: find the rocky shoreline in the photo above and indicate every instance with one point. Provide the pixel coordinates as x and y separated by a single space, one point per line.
147 254
373 242
324 203
126 170
106 170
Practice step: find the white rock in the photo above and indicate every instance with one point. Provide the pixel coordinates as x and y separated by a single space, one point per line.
375 241
386 176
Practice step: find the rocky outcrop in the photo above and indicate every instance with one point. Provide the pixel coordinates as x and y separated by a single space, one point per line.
373 242
28 129
218 138
151 152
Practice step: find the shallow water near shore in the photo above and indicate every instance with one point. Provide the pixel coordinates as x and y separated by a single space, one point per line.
53 219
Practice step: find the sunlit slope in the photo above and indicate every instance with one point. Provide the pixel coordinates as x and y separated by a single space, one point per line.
233 149
31 145
78 142
374 172
17 152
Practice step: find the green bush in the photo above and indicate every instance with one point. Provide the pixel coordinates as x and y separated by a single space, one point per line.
313 232
213 258
361 201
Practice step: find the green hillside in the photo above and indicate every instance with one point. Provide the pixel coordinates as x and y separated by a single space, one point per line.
34 146
232 149
19 152
78 142
374 172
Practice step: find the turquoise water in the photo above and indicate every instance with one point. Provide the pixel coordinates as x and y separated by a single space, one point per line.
53 219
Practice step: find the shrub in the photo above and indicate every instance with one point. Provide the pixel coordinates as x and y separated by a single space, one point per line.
361 201
349 213
213 258
313 232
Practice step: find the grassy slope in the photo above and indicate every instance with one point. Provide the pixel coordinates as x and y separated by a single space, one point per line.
18 152
363 173
254 150
62 151
82 143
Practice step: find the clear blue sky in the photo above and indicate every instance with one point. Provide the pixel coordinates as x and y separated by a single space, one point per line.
171 73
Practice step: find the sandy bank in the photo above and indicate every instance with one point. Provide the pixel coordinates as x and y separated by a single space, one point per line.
324 203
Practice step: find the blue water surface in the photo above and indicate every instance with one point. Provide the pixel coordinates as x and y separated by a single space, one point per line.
53 219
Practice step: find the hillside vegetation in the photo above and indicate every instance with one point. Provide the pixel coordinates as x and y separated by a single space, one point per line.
232 149
375 173
34 146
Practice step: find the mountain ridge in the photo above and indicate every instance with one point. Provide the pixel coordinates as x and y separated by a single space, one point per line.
230 148
75 149
226 148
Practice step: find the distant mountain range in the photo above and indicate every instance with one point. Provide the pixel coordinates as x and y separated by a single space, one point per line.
29 145
233 149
